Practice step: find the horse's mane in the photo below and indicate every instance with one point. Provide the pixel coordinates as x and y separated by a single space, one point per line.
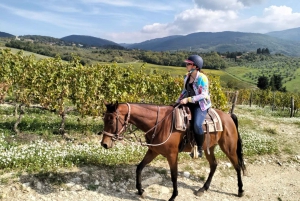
149 106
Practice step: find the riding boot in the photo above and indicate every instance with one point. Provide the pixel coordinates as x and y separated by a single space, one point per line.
199 141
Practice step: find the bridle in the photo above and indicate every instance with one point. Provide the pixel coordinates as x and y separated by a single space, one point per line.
117 135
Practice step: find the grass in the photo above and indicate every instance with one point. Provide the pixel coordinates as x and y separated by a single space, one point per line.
271 131
293 85
181 71
239 72
44 124
26 53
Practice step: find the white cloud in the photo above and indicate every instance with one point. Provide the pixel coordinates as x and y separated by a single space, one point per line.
48 17
278 10
225 4
251 2
143 5
274 18
219 5
154 28
193 20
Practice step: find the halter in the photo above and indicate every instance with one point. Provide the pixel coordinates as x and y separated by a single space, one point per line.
117 135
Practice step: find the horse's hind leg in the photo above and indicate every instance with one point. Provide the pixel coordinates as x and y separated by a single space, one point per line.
233 157
150 155
213 166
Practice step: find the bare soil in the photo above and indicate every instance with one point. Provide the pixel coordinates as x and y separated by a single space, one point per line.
268 179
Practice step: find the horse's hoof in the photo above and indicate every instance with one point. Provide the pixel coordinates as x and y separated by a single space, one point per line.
144 194
141 193
241 194
173 196
200 192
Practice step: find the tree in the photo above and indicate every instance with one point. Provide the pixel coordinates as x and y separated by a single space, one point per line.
276 83
263 82
258 51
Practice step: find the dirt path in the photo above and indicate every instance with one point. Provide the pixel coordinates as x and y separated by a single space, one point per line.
268 179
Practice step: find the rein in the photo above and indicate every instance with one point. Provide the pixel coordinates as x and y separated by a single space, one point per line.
117 136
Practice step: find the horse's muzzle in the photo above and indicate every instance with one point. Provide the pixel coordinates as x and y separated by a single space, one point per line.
104 145
107 144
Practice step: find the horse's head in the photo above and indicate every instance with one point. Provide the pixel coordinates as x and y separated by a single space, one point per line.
114 123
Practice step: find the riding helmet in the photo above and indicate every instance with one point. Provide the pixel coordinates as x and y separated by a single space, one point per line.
196 60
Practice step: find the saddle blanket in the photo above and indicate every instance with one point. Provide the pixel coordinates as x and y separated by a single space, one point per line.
212 122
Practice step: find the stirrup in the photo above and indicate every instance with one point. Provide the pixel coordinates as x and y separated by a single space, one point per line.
196 153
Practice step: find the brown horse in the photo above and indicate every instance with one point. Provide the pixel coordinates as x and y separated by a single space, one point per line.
162 139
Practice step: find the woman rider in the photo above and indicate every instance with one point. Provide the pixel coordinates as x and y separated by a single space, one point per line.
195 95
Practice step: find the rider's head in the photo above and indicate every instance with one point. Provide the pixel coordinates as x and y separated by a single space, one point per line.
195 60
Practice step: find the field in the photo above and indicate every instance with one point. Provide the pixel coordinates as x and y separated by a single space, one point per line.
294 84
240 72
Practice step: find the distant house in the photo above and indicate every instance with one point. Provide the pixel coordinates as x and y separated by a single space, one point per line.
28 40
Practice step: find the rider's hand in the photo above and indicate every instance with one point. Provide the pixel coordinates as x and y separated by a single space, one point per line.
184 101
174 104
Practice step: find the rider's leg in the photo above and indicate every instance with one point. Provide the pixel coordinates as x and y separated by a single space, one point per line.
199 117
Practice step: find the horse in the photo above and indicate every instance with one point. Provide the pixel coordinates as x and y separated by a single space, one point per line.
162 139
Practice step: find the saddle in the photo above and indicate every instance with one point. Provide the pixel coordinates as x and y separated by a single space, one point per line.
182 118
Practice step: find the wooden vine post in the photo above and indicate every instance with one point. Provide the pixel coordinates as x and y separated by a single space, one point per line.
234 102
292 107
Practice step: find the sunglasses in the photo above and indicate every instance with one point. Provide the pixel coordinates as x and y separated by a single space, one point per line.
187 64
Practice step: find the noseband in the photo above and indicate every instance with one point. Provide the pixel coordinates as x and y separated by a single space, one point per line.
117 135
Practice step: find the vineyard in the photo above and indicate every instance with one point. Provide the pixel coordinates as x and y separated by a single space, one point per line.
287 102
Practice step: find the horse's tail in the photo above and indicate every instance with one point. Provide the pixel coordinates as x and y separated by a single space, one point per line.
239 149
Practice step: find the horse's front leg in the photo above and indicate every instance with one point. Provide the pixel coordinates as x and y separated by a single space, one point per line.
150 155
172 160
213 166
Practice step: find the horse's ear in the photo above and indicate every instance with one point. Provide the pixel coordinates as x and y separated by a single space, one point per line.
116 105
105 103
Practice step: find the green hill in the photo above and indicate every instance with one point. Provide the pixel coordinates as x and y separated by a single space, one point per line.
3 34
91 41
221 42
288 34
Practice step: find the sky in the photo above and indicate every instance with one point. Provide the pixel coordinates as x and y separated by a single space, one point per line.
133 21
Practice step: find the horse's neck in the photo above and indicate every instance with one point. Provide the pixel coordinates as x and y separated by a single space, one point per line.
145 117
